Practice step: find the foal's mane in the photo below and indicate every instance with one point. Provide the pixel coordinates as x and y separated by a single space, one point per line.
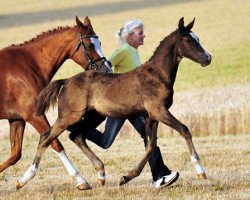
45 34
163 44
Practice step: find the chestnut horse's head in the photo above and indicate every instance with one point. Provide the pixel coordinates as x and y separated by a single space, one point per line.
88 48
188 44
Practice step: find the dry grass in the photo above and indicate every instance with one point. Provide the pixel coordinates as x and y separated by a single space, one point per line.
214 111
225 158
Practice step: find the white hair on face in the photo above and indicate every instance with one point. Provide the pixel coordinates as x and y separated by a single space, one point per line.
98 49
129 27
197 39
194 36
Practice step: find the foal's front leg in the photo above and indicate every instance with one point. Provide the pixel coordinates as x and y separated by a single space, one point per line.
151 132
168 119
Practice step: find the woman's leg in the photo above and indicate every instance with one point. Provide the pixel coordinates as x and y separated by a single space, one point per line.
157 166
105 139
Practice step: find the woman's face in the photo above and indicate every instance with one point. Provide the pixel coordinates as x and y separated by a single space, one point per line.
136 38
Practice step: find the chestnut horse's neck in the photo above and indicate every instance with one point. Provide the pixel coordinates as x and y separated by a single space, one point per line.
166 58
50 50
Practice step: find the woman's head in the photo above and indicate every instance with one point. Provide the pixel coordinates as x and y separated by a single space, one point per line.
132 33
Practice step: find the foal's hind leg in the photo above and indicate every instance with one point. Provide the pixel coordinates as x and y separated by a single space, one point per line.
97 163
46 139
41 124
91 120
151 131
168 119
16 140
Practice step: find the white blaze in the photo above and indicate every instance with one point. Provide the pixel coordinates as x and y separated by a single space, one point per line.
98 49
196 38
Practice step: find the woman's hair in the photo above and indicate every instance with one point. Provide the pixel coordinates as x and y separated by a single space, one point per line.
129 27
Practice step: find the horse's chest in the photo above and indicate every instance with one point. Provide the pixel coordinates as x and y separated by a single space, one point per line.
168 98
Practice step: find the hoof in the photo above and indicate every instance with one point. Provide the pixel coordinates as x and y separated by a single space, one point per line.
202 176
84 186
123 180
101 181
19 185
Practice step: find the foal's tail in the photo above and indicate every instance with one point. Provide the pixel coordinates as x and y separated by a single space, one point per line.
48 96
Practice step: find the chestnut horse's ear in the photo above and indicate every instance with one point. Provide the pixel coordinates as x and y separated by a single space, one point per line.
181 23
190 25
79 23
87 22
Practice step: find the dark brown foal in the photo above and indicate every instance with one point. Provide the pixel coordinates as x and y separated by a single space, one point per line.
147 91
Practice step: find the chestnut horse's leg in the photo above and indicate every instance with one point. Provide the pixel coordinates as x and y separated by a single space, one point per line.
151 130
16 140
168 119
41 124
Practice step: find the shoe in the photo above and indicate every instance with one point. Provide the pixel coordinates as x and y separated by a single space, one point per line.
166 180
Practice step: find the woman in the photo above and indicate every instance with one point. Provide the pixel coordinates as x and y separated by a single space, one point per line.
124 59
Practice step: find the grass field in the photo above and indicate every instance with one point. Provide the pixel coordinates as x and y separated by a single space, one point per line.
212 101
225 158
220 24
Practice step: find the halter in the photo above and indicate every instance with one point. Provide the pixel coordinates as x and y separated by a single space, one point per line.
92 63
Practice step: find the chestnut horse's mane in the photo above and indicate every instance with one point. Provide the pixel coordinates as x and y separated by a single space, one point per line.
43 34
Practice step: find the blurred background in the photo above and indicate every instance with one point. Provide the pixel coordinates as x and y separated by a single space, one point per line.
210 101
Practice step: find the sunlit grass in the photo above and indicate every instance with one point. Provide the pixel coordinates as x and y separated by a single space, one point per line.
225 158
222 29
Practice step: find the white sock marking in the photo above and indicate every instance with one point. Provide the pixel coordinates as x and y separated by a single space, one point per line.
198 166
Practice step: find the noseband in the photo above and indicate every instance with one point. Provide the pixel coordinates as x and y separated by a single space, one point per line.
92 63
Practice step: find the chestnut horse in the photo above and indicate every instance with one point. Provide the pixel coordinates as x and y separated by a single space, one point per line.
147 90
27 68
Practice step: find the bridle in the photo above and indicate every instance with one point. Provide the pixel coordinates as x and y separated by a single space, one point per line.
92 63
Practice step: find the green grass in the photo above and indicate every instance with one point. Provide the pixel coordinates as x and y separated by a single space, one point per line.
230 66
221 25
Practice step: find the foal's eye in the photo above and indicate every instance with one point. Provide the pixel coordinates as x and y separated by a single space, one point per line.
91 46
189 40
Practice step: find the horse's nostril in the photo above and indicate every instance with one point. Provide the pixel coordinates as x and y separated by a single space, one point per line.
208 58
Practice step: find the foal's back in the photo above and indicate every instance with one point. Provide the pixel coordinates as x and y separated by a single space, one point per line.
106 93
116 95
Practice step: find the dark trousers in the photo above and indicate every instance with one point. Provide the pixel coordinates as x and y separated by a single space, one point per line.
113 126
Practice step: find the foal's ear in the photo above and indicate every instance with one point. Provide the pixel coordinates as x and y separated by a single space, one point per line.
87 22
190 25
181 23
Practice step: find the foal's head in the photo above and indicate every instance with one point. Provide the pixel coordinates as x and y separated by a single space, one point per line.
88 49
188 44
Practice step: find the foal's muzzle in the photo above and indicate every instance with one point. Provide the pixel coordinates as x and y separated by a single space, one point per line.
207 58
